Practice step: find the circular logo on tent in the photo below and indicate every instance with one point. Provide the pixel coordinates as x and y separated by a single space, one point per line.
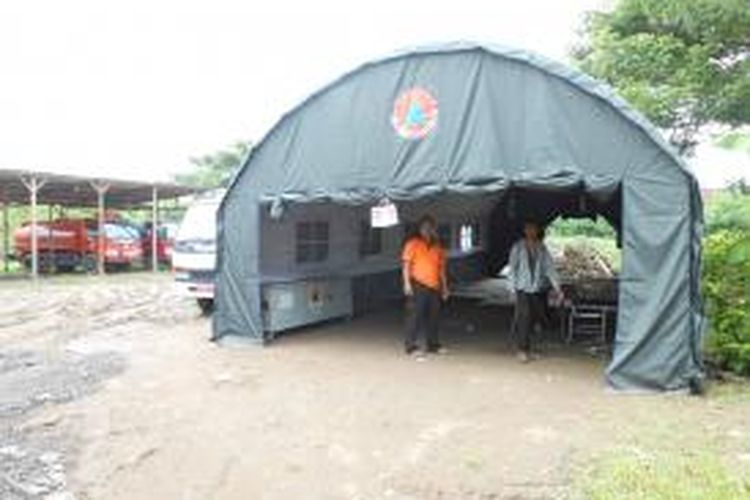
415 113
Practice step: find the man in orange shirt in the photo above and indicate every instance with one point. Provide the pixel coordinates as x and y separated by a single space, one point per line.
425 284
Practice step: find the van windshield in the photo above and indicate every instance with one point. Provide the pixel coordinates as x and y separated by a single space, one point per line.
199 223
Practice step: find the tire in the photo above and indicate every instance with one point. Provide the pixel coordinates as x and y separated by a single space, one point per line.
66 262
206 306
46 263
89 263
116 267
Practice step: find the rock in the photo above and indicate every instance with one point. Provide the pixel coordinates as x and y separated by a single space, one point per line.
51 421
12 451
735 433
50 457
223 378
43 397
60 495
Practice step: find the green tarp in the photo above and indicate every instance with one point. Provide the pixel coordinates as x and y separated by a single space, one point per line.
471 120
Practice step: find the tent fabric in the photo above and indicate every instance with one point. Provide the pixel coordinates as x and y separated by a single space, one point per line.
505 121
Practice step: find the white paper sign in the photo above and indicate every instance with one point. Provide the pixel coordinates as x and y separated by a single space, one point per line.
384 215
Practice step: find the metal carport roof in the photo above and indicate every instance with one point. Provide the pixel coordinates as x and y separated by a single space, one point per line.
80 191
34 187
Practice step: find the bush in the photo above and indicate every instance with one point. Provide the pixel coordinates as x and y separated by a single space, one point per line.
726 289
598 228
729 210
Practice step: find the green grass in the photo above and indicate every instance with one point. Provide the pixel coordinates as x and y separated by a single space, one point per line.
737 392
14 267
674 449
635 474
24 282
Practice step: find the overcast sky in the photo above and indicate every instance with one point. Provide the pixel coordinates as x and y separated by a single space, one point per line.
133 89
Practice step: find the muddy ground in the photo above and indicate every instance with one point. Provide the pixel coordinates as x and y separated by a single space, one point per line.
109 389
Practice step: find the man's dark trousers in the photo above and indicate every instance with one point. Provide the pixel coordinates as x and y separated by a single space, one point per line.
529 312
425 304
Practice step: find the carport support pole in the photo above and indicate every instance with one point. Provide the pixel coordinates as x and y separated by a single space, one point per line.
101 190
34 241
154 229
6 236
33 184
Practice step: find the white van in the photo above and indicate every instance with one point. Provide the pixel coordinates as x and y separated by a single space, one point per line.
194 252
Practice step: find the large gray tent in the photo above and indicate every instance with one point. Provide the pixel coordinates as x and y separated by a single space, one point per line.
494 129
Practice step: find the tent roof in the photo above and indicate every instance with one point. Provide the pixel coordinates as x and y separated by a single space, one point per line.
78 191
578 79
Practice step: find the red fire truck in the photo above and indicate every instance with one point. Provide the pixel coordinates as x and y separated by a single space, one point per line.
65 244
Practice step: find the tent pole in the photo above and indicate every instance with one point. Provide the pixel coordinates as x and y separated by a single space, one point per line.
101 190
154 229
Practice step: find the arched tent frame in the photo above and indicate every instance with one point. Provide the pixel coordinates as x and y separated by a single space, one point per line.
300 161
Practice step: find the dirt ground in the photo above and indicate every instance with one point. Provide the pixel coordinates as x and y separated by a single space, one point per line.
109 389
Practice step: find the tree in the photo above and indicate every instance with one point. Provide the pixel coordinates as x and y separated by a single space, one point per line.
683 63
735 141
216 169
